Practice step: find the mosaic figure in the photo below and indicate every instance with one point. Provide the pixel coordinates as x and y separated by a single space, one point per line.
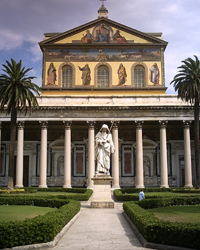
51 75
88 38
154 74
118 38
86 78
122 75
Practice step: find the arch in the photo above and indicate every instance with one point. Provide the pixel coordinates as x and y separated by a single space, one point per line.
145 76
60 71
109 74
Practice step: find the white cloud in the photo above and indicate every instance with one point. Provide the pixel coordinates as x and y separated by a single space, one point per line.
9 40
36 52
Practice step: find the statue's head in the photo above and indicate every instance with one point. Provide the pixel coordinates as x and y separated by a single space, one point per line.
105 128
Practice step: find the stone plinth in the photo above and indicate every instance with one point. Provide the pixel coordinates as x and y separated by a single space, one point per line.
102 192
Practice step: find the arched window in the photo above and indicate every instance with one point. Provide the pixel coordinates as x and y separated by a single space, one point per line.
66 76
139 76
103 77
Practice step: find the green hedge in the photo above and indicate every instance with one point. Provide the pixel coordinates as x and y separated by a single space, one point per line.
32 200
150 190
164 232
76 196
120 196
132 195
80 196
40 229
173 201
60 189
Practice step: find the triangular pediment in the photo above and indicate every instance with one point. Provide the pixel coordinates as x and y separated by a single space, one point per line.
102 31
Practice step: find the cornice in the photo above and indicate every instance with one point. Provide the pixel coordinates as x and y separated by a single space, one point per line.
95 89
101 46
164 108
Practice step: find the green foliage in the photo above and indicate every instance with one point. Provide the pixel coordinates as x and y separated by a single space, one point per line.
173 201
164 232
60 189
16 89
187 81
131 194
40 229
26 199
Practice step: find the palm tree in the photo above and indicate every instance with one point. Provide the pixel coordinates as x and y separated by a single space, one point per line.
17 93
187 83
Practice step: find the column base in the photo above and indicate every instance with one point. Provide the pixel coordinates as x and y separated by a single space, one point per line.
90 187
164 186
115 187
189 186
67 186
140 186
42 186
19 186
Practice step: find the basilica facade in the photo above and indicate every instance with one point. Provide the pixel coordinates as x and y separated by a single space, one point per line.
102 72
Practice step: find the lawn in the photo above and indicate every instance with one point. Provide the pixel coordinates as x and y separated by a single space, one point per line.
19 213
178 213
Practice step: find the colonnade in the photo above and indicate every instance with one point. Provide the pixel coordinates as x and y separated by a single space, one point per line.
115 155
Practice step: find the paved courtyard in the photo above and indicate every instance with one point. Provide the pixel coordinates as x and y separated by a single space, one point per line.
99 229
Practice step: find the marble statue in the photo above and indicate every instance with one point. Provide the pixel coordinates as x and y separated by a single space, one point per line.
104 147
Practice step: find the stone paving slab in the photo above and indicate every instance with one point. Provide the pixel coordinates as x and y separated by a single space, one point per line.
99 229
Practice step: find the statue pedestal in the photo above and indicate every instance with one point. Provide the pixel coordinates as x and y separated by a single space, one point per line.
102 192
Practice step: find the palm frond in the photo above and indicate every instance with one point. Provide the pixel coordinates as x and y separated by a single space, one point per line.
16 88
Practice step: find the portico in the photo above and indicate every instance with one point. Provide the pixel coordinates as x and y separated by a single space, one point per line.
132 138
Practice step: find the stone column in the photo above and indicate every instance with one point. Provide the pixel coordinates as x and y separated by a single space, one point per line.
163 155
91 162
67 155
187 154
20 155
139 155
115 157
43 155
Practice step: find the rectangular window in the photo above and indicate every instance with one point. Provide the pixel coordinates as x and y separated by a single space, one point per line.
127 160
48 161
3 160
79 160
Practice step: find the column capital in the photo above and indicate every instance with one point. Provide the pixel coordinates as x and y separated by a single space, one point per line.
91 124
115 124
187 124
163 124
43 124
67 124
20 125
139 124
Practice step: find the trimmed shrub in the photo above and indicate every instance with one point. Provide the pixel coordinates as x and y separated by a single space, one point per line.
128 195
76 196
60 189
164 232
12 191
40 229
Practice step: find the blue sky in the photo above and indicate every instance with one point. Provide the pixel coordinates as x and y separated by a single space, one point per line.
23 23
